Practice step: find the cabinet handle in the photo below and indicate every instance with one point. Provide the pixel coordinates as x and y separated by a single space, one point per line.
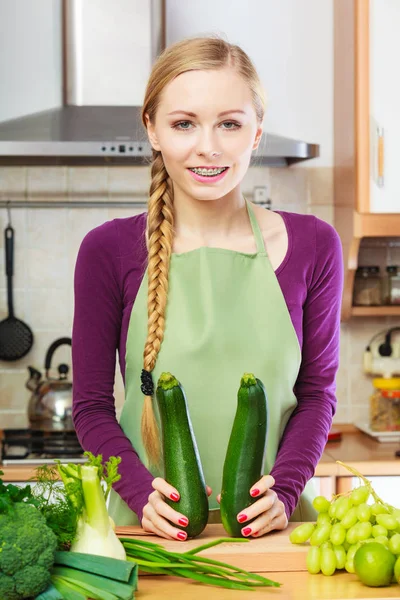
381 157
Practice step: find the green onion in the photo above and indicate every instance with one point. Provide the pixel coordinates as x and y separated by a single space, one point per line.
154 558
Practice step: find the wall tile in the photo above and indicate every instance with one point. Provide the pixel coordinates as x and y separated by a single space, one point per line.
326 213
320 185
13 394
49 310
47 269
288 186
129 180
123 213
47 183
10 419
13 183
47 228
88 183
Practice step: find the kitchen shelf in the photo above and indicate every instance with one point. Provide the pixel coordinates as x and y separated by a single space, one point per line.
375 311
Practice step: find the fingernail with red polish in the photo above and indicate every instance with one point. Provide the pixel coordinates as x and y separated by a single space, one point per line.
242 518
183 521
181 535
246 530
174 496
255 492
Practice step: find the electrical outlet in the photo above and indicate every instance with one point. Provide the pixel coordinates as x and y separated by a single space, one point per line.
260 194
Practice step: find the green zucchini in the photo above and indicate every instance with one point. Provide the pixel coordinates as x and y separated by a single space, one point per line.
182 465
244 460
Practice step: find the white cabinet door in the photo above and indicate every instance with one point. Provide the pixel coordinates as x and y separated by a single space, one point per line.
384 106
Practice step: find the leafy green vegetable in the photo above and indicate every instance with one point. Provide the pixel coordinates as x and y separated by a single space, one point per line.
154 558
78 576
9 494
27 550
56 506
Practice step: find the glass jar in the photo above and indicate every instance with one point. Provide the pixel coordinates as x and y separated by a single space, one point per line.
385 405
393 287
367 289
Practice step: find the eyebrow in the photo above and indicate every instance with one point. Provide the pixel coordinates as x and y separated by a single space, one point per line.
191 114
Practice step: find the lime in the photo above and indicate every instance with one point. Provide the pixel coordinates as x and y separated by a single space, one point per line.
374 564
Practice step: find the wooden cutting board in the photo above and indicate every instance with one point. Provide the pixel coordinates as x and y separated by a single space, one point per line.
272 552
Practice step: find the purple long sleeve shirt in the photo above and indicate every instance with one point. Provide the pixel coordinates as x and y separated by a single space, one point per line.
109 269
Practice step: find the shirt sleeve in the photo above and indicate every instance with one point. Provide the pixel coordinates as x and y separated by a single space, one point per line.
95 338
306 433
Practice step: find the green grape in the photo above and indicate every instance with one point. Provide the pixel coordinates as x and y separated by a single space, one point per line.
371 539
350 518
332 509
394 544
328 561
382 539
387 521
349 566
344 505
379 530
359 495
351 535
363 512
302 533
378 509
320 534
326 544
363 531
338 534
352 550
323 518
346 545
340 554
313 560
321 504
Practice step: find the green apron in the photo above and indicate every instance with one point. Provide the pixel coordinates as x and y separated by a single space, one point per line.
226 315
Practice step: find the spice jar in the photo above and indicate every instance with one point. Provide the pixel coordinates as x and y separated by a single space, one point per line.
393 284
385 405
367 287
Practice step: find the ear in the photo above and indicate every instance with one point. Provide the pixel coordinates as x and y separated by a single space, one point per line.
151 133
258 137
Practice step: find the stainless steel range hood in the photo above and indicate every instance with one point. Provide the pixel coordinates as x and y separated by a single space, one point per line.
95 126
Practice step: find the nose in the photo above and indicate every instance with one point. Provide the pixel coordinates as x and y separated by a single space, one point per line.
206 146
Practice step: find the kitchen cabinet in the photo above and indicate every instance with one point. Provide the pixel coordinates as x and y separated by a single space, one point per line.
384 102
366 132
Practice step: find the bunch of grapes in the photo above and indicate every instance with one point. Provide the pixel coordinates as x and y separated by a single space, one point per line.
344 524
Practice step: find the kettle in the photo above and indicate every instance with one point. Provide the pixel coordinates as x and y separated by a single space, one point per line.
50 406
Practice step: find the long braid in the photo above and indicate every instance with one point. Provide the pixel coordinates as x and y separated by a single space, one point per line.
159 234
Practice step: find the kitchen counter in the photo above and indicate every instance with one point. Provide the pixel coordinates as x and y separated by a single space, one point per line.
273 556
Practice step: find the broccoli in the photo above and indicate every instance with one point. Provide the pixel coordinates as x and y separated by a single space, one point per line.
27 552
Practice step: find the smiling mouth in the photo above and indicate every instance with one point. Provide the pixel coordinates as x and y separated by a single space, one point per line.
208 172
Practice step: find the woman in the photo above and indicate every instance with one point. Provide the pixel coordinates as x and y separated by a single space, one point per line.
207 286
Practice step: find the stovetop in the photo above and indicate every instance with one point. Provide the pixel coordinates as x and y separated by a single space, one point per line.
28 446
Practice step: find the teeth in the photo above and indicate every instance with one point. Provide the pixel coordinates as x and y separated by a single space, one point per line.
208 172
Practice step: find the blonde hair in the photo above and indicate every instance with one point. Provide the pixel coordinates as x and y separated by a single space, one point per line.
198 53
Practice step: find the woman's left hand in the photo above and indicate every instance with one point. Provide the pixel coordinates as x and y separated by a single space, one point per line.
268 508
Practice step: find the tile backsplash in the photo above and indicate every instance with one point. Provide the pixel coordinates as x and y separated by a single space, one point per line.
47 241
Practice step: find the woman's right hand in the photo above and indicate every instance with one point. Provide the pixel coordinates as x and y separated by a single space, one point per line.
157 513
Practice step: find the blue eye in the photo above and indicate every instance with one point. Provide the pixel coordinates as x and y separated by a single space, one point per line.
177 125
180 126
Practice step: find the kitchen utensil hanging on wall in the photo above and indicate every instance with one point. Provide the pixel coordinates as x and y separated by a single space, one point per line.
16 338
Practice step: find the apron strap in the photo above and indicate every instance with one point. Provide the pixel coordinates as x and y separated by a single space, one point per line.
258 236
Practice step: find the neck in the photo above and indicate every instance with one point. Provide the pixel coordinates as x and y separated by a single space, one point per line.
223 217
